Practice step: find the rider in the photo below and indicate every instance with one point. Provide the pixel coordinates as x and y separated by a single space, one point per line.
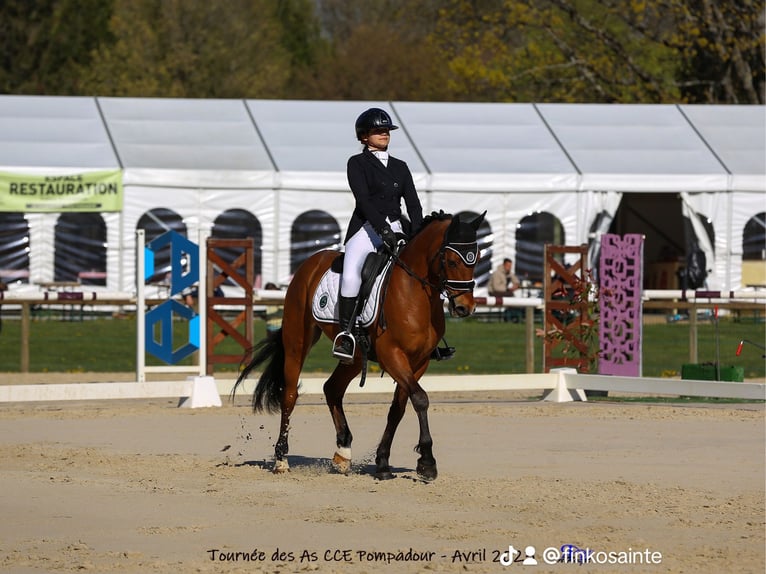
378 182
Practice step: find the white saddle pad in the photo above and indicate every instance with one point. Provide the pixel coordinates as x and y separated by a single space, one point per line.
325 304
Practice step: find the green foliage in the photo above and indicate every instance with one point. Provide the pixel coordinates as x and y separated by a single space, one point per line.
553 51
45 43
190 48
666 51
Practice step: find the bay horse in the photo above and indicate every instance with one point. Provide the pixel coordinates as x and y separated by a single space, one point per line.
438 262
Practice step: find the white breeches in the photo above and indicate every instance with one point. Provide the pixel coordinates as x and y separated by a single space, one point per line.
364 241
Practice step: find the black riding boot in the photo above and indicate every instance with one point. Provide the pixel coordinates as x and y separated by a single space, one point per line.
344 344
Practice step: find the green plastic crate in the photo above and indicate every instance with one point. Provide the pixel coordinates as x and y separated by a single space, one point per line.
707 372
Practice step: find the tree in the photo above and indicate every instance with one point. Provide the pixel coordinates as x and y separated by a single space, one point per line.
721 45
603 50
375 51
44 43
191 48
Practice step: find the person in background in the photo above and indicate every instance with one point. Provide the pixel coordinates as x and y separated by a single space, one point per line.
502 282
379 182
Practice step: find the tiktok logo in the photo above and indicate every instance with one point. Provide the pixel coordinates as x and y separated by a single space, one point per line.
513 555
508 558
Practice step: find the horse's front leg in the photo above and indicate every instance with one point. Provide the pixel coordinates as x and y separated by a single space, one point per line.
426 468
395 414
334 390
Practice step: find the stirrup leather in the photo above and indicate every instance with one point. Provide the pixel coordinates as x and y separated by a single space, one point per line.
339 353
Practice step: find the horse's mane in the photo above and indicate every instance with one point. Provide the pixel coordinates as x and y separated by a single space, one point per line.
433 216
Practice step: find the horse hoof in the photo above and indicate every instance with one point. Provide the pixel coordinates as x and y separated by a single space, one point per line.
341 464
427 472
281 467
384 474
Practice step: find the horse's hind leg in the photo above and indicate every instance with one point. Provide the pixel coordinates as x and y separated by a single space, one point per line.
295 354
334 390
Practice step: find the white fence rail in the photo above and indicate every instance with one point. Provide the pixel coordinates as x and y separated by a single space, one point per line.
561 385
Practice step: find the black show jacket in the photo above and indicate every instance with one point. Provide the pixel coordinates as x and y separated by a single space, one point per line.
378 191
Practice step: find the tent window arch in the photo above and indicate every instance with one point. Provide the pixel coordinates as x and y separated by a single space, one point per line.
14 248
485 237
754 251
80 248
533 232
312 231
155 222
754 238
239 224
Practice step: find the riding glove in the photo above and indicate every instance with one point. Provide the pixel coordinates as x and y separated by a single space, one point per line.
389 238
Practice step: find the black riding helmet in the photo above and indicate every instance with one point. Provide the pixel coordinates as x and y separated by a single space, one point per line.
371 119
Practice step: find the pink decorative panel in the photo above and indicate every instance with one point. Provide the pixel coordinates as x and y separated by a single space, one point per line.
621 271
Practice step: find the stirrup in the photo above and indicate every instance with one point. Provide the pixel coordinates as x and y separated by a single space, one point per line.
340 353
443 353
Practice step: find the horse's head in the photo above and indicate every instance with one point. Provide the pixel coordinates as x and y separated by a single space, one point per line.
458 256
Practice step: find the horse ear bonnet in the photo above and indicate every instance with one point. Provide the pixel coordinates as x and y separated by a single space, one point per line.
461 238
460 231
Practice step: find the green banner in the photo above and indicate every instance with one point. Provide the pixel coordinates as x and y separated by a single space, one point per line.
90 191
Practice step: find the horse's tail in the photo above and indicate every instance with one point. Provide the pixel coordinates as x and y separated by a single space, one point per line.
271 385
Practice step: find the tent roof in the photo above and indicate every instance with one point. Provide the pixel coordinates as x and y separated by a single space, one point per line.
736 135
319 136
486 146
634 147
184 134
448 146
311 141
42 131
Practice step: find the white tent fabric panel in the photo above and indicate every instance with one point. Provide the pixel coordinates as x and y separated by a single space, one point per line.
184 134
261 204
41 238
501 183
118 275
53 132
737 134
457 202
521 205
634 148
317 136
709 206
201 178
489 147
291 203
744 206
591 205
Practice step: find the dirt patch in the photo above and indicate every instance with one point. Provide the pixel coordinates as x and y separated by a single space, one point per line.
142 486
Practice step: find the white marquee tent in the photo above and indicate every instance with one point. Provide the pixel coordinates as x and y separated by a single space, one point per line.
278 159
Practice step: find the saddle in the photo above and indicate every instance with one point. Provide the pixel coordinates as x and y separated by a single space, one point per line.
375 272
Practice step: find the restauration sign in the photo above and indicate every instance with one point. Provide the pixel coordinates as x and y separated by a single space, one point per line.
85 191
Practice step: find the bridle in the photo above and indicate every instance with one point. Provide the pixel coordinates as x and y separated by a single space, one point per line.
450 289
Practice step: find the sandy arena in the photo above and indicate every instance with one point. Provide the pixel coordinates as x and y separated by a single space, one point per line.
143 486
